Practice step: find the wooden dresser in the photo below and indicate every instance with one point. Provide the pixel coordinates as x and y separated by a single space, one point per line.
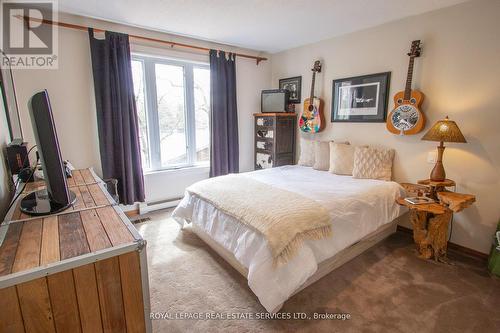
81 270
274 139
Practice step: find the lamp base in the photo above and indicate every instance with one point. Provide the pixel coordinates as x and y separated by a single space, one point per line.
438 174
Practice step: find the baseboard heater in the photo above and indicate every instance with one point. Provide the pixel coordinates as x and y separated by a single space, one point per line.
147 207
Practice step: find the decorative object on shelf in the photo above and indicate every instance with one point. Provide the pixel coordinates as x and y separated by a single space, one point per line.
311 118
430 220
419 200
294 86
406 117
444 130
433 186
274 139
361 98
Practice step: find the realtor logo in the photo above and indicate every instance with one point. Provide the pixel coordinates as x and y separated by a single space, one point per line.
26 40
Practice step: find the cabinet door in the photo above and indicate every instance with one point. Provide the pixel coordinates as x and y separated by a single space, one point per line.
285 135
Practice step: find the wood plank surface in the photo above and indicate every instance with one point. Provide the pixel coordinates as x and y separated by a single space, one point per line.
116 230
96 235
28 250
34 186
88 298
11 320
132 292
79 203
9 248
72 239
35 306
63 300
50 241
16 215
77 176
86 196
110 295
87 176
71 182
97 194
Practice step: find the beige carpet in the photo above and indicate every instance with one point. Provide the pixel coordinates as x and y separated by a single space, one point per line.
386 289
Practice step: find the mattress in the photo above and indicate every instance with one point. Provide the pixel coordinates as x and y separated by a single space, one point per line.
357 207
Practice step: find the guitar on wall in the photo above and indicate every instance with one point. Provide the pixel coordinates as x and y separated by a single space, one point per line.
406 117
311 118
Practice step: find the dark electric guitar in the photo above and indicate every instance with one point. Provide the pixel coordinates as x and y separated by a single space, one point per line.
406 117
311 118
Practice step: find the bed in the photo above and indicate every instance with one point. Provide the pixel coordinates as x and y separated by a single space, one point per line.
362 212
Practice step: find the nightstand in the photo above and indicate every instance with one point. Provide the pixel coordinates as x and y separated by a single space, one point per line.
430 221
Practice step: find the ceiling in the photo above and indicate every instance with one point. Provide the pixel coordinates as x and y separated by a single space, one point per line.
264 25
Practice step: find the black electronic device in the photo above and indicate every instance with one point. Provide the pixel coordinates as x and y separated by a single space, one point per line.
276 100
17 156
56 197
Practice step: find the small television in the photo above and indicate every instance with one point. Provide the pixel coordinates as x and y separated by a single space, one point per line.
56 197
275 100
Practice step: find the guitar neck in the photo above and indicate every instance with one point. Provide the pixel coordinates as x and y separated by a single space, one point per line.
312 87
409 78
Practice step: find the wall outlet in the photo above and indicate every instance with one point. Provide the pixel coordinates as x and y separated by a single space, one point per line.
432 157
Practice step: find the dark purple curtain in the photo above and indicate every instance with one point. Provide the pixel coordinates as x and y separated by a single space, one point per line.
224 152
117 115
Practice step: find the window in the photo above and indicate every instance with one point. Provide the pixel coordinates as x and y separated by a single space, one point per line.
173 106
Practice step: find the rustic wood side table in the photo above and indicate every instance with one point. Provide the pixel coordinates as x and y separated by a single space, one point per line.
430 221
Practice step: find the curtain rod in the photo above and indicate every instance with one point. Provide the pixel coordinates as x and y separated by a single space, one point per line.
149 39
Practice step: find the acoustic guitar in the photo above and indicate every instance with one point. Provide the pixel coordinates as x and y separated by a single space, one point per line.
311 118
406 117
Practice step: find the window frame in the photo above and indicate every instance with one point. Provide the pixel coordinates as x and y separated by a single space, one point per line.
152 118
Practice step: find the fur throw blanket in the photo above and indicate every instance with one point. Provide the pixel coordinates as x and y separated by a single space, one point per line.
284 218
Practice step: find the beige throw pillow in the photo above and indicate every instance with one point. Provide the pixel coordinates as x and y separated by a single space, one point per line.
373 163
341 158
321 155
306 152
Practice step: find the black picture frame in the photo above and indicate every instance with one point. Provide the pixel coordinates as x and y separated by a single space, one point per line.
295 95
370 107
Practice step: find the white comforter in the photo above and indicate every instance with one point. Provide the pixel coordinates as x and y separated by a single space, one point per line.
357 207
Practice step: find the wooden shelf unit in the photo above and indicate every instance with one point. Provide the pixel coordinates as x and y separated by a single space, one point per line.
274 139
81 270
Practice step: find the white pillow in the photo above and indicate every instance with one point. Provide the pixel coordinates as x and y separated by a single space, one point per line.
373 163
306 152
321 155
341 158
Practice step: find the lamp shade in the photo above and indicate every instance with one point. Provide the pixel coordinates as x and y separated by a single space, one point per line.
445 130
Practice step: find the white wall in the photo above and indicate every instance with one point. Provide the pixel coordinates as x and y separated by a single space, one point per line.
73 102
459 73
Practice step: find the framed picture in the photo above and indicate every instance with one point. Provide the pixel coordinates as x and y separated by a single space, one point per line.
294 86
361 98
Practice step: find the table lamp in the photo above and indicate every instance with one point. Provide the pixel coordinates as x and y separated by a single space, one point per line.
444 130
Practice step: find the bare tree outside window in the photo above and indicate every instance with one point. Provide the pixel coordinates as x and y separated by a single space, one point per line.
181 113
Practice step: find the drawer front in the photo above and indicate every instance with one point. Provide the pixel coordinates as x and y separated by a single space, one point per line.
265 133
264 121
263 161
264 145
